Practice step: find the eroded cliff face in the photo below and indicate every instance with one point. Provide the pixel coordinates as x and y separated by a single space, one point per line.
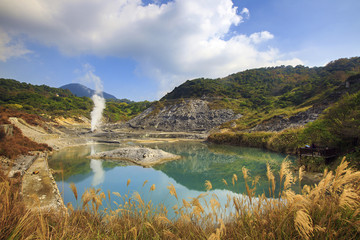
184 116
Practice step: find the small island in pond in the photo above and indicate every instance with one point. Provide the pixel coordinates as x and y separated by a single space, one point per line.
142 156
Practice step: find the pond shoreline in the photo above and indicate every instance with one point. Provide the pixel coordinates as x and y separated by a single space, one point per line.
81 136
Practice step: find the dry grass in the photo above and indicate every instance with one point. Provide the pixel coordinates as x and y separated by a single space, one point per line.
329 210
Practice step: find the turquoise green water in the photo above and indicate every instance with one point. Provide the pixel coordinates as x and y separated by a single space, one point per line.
199 162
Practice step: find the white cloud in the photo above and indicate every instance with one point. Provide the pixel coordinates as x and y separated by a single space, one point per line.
261 37
245 12
10 49
172 42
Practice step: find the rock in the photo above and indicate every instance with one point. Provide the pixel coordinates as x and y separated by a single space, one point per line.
191 115
8 129
145 157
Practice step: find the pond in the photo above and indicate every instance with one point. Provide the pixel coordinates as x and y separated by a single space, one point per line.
199 162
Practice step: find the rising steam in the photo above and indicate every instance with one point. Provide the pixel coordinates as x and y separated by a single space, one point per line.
96 113
98 99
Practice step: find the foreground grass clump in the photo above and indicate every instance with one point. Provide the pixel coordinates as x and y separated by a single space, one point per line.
329 210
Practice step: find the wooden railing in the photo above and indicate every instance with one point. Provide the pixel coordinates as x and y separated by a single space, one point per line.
318 152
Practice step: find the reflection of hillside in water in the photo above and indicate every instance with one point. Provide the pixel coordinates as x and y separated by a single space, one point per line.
216 162
194 156
72 161
200 162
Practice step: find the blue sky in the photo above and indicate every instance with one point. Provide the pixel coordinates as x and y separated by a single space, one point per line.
142 49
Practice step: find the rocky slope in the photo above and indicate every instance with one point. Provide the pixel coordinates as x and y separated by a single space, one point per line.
192 115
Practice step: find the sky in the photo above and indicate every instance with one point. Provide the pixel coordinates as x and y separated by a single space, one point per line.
140 50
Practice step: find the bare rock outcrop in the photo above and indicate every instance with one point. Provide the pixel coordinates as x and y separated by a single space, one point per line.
281 122
191 115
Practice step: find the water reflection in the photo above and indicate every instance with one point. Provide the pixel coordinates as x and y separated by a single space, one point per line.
199 162
203 162
74 162
97 168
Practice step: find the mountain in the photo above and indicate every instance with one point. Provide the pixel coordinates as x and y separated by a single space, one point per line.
80 90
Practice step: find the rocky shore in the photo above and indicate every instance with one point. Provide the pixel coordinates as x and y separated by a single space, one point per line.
39 188
188 119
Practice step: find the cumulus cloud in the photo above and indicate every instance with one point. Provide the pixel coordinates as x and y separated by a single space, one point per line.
172 42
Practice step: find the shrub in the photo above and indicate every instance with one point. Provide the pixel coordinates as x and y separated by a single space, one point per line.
287 141
255 139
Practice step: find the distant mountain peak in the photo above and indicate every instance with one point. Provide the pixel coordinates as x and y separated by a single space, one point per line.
80 90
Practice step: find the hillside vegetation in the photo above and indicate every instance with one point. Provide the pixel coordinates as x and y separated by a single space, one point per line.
47 101
274 87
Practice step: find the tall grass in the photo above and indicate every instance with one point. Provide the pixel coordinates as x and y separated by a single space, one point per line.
328 210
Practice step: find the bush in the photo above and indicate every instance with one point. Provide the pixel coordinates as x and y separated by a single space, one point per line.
287 141
319 132
255 139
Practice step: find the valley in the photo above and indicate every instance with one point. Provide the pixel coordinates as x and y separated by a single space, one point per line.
216 127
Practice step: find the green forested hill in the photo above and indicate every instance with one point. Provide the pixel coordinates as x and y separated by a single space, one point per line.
276 86
266 95
46 100
41 99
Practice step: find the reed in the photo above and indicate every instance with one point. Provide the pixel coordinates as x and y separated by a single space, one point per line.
328 210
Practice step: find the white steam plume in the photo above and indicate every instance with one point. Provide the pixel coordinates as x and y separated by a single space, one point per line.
96 113
98 99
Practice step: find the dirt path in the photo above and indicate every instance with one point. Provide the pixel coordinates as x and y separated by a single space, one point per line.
39 188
